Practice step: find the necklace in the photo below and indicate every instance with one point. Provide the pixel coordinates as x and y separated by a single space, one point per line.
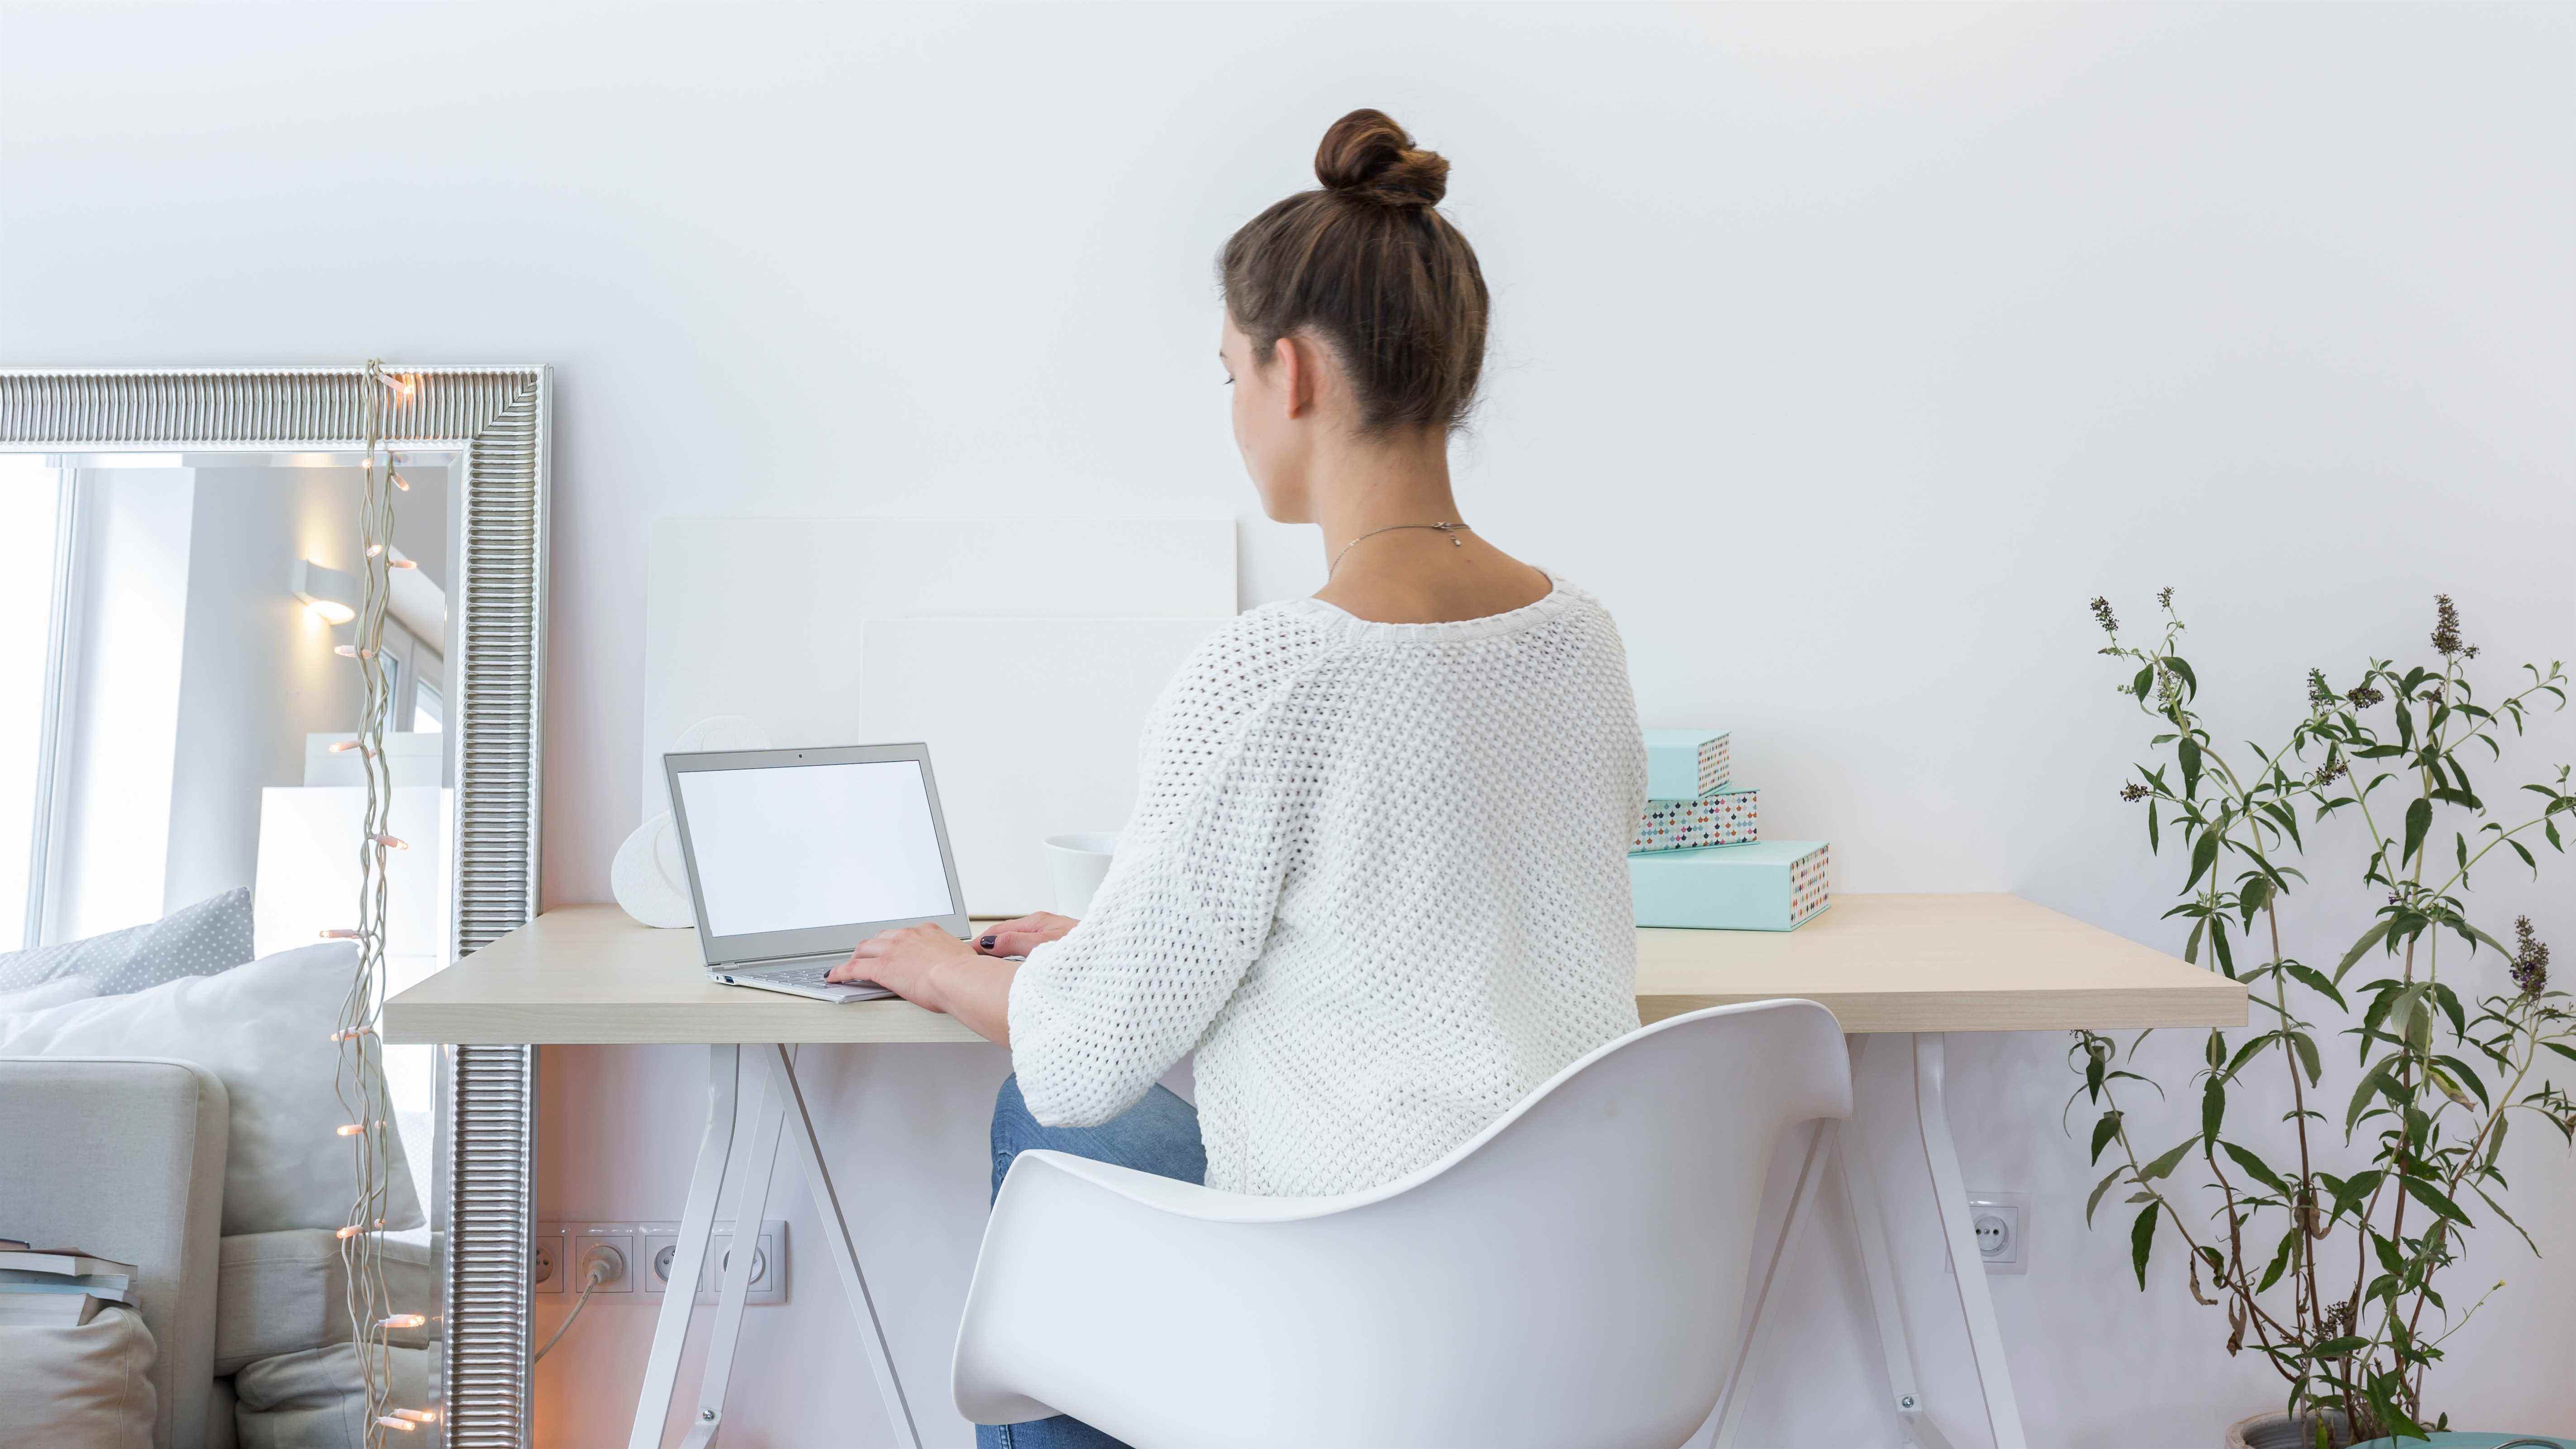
1450 529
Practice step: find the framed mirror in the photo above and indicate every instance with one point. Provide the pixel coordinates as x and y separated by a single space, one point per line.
178 561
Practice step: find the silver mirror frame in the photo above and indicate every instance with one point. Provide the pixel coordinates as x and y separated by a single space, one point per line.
499 420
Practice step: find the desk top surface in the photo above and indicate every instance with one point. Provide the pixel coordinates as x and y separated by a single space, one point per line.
1880 963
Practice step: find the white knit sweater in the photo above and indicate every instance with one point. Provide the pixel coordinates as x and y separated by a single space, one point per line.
1375 877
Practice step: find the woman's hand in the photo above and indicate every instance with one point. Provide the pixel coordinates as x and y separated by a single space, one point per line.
937 972
1020 937
907 961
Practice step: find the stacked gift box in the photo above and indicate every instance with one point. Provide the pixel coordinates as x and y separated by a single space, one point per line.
1699 859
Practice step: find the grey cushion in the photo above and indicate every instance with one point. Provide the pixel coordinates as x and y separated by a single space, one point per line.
318 1399
212 935
78 1388
287 1292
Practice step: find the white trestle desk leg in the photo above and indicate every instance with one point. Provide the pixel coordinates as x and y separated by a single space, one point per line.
836 1240
697 1220
1950 1198
751 1205
1811 1170
1878 1270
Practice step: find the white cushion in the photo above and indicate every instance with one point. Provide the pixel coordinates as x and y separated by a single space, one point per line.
78 1388
53 993
265 1029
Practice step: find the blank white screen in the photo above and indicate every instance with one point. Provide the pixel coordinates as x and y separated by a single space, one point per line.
799 846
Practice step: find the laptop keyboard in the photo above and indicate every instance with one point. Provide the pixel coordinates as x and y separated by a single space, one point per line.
805 975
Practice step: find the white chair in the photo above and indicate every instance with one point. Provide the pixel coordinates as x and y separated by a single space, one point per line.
1572 1275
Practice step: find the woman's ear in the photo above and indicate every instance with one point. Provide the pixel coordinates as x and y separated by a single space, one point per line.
1297 378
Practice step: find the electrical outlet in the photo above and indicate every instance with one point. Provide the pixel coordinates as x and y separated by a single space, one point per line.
546 1259
2000 1224
660 1244
586 1242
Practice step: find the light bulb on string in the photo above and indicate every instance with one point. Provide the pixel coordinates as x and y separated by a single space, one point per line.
402 1320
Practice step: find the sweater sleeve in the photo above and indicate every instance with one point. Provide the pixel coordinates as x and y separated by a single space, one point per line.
1098 1015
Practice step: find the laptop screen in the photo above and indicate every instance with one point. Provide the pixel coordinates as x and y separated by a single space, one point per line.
795 847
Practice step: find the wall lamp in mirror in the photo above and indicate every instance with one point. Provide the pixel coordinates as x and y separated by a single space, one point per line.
329 594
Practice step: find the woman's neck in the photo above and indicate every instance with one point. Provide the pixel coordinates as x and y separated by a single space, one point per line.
1382 560
1383 484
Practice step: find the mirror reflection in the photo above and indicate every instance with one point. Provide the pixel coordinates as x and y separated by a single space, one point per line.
173 683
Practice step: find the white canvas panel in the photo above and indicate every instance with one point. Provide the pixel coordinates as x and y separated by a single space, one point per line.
763 617
1048 749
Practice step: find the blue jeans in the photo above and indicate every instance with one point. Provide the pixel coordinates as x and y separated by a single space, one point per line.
1159 1135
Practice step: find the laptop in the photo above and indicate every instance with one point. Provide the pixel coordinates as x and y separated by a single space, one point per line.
796 856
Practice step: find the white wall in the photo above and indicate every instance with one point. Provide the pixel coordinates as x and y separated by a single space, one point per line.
259 673
1845 351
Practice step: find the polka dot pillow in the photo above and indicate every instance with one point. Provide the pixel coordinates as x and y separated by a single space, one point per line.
212 935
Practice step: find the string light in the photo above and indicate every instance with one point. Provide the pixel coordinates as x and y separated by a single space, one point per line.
418 1416
402 482
360 1079
349 651
342 747
339 933
403 563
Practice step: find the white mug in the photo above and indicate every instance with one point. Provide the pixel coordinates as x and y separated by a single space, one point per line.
1078 864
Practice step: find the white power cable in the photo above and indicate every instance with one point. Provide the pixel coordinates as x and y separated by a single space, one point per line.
606 1265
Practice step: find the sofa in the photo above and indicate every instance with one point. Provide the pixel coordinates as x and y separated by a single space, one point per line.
125 1157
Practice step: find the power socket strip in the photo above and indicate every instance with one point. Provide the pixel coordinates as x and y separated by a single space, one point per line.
647 1250
660 1245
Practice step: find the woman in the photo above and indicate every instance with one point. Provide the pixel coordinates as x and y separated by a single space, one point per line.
1375 876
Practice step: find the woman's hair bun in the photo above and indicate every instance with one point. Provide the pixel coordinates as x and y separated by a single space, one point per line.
1368 156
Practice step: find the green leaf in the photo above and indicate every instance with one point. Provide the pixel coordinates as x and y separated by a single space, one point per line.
2204 854
2419 819
2368 939
2213 1108
2362 1094
2188 749
2145 681
2338 1347
2315 980
2164 1166
2280 1260
2100 1188
2155 832
2142 1238
2308 1057
2431 1197
2256 1168
2104 1131
2174 663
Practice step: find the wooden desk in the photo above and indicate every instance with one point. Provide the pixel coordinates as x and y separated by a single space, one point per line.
588 974
1917 966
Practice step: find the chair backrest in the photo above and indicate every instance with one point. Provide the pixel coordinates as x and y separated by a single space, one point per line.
1572 1276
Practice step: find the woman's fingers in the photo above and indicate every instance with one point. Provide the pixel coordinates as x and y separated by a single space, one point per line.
850 970
1019 937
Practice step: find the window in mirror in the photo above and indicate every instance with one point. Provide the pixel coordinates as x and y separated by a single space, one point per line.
31 603
428 711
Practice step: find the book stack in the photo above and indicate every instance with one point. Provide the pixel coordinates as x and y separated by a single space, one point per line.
1699 860
58 1287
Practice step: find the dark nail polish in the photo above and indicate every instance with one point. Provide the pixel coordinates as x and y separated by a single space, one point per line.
986 943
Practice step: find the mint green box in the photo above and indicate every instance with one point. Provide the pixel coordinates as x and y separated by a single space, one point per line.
1768 885
1686 764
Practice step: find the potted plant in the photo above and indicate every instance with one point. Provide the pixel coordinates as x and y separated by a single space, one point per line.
2324 1247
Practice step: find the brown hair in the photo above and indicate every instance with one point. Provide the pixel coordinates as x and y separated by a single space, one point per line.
1369 264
